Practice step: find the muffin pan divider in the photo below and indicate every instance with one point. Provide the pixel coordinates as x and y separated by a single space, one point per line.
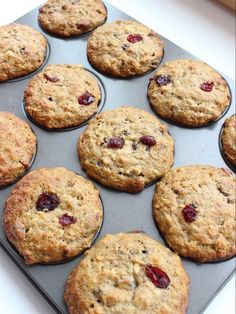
123 212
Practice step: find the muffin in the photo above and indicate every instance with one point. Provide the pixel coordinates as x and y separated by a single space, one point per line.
228 140
126 149
128 273
61 96
188 92
18 146
194 207
124 49
68 18
52 215
22 51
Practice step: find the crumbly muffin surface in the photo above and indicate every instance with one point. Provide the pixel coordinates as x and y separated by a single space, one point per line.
124 49
22 50
114 277
126 148
17 147
52 215
62 95
72 17
188 92
194 207
228 139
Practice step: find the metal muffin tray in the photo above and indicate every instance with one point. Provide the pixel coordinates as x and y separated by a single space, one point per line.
123 212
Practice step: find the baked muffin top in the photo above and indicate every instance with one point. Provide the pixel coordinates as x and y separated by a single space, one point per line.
22 50
128 273
72 17
188 92
124 49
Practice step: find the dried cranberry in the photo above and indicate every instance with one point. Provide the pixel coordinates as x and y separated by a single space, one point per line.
51 78
207 86
66 220
41 10
148 140
115 142
163 80
134 38
189 213
86 99
47 202
157 276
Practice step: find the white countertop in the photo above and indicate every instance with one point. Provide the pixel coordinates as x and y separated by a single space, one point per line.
204 28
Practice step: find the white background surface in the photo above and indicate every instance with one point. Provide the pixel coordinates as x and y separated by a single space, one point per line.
204 28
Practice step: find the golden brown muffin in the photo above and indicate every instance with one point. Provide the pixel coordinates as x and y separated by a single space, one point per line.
62 95
228 139
52 215
126 148
188 92
128 273
22 50
124 49
17 148
72 17
194 207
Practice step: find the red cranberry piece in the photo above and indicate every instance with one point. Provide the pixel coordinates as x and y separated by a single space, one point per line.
207 86
47 202
115 142
66 220
86 99
51 78
134 38
163 80
148 140
189 213
41 10
157 276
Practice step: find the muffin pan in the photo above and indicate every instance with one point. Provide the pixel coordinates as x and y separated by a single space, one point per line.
123 212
